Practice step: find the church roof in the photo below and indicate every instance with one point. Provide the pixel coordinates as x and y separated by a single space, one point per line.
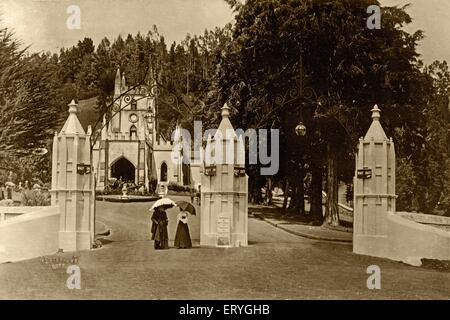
87 113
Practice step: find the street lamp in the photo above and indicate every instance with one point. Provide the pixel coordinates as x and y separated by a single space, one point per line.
300 129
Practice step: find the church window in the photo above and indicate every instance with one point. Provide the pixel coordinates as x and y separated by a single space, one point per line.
133 105
163 172
133 132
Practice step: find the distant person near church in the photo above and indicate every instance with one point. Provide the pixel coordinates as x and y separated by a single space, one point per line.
182 237
159 228
2 191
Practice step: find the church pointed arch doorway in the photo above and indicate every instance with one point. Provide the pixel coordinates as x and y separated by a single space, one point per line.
123 169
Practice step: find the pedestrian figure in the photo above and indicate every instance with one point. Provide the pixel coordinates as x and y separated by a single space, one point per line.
2 192
182 237
192 194
8 192
199 195
159 228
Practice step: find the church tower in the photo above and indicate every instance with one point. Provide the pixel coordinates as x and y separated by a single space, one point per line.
126 143
131 149
117 84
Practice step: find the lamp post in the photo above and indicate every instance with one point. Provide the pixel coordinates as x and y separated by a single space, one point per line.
300 129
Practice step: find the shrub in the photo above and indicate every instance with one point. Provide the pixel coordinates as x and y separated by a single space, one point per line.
406 185
35 198
7 203
178 188
109 191
118 192
138 193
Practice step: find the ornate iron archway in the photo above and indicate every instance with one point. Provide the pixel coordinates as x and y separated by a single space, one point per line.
302 91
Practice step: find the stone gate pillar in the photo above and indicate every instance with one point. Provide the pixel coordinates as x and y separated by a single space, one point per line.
374 189
71 184
224 189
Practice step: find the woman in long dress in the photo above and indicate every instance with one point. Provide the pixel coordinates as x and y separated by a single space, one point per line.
182 237
159 228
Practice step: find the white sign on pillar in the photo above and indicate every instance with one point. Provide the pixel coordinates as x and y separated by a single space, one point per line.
224 189
223 230
71 184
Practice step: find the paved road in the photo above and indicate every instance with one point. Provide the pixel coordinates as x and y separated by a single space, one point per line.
275 265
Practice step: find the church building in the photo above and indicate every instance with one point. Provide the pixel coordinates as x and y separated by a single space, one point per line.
130 148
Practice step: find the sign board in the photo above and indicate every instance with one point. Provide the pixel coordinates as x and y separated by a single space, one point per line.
83 168
210 170
223 230
364 173
239 171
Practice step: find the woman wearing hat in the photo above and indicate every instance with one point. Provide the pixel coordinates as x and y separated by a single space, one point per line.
182 237
159 228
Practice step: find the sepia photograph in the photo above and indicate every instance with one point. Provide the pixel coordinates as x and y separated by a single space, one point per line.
224 151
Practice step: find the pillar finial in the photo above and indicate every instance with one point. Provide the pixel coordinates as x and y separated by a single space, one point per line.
73 107
376 113
225 111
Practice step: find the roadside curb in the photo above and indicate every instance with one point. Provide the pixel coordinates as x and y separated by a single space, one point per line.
302 234
103 230
127 199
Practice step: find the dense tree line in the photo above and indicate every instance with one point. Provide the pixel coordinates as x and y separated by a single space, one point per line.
35 88
31 104
186 70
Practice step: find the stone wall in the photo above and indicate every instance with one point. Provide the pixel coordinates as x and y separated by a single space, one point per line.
29 235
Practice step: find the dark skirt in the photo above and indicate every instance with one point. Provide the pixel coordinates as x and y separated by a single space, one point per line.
182 237
161 237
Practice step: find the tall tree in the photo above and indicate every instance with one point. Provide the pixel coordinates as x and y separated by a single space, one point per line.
349 67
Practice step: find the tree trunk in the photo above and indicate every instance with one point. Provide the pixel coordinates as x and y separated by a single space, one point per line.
268 195
332 210
254 191
294 195
301 191
316 193
286 194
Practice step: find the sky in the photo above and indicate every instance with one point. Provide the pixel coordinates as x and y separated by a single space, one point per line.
433 17
42 23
